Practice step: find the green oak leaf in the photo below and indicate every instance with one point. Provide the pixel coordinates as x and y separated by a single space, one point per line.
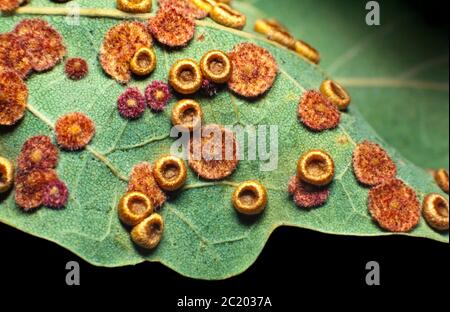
204 237
397 73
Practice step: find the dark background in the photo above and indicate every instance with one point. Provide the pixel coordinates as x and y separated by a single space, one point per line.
297 267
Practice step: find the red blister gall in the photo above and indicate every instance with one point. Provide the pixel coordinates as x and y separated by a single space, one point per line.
30 186
131 104
76 68
157 95
306 195
317 113
56 195
38 152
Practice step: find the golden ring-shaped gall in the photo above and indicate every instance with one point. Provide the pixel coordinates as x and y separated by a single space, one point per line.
205 5
266 26
134 207
225 15
307 51
441 177
250 198
143 62
187 113
186 76
135 6
435 211
216 66
336 94
170 173
275 32
6 174
316 167
148 233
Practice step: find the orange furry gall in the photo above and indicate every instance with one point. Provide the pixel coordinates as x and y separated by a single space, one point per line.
142 180
184 7
254 70
76 68
214 155
172 28
74 131
38 153
30 187
13 98
317 112
120 45
43 43
13 55
394 206
372 164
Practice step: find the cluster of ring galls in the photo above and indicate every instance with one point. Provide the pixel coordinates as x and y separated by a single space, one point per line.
248 70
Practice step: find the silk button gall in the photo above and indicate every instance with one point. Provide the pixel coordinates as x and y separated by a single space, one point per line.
188 114
250 198
316 167
6 174
336 94
170 173
435 211
134 207
186 76
148 233
216 66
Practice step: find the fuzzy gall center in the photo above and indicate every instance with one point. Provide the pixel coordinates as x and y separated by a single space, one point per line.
131 102
321 107
375 162
36 155
159 95
394 205
54 192
77 65
74 129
